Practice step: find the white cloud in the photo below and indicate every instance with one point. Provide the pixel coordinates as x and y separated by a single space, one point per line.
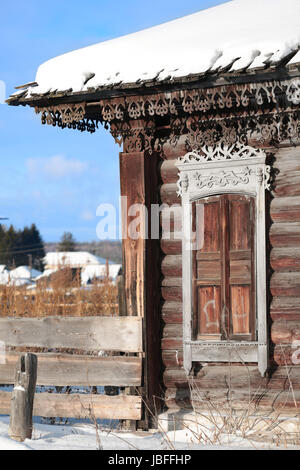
55 167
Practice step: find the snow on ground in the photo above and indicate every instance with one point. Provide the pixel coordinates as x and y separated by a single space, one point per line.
83 437
244 33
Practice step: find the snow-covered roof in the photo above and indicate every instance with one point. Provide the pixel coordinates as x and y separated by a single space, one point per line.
72 259
91 272
236 35
24 272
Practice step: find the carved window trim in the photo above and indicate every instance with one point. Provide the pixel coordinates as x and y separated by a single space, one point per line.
235 169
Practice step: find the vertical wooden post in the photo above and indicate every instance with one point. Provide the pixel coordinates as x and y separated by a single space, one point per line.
22 398
121 295
139 184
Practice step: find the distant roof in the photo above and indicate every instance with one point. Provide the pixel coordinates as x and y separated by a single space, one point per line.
240 35
72 258
24 272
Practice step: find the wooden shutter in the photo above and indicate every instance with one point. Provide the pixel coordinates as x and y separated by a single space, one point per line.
223 268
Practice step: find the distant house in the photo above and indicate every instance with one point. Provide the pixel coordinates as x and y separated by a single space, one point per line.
72 259
91 267
89 273
21 275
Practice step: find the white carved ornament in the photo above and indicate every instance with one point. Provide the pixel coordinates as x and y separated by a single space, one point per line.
205 178
222 152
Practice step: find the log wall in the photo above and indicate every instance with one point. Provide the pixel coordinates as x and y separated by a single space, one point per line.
283 214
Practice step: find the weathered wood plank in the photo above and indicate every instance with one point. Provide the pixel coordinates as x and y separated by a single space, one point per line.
66 369
80 406
85 333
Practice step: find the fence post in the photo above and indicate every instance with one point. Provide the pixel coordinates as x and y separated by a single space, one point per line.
121 295
20 427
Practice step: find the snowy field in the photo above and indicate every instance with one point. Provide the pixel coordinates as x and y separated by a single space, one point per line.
81 436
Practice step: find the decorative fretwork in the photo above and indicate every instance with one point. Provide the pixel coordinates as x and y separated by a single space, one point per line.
68 116
221 152
268 129
264 112
204 101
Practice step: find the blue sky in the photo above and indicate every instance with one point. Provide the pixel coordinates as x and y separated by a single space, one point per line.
52 177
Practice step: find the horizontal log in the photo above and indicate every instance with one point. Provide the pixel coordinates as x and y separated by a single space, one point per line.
172 337
78 406
285 234
172 266
172 293
84 333
172 312
287 355
66 369
175 378
171 151
169 171
285 209
240 377
172 282
241 400
168 194
285 284
172 358
285 332
171 220
285 259
178 399
285 308
288 159
171 247
287 183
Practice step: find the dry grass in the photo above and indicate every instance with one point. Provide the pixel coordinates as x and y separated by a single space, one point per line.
241 418
60 296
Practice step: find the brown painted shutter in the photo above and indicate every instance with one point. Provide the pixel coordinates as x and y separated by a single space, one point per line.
207 267
241 256
223 268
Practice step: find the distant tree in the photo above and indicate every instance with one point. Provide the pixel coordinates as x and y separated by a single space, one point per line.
21 247
67 242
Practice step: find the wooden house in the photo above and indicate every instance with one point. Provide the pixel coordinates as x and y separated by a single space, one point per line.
206 110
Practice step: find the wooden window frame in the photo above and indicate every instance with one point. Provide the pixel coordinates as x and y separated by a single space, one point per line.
219 170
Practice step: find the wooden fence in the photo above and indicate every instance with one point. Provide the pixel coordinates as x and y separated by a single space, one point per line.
118 334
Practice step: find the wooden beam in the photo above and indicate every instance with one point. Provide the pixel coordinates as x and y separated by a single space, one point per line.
80 406
71 370
85 333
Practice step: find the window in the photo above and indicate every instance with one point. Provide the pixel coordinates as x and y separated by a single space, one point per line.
224 268
223 255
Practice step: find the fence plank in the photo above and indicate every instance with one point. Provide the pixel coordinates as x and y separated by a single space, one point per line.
80 406
68 369
86 333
